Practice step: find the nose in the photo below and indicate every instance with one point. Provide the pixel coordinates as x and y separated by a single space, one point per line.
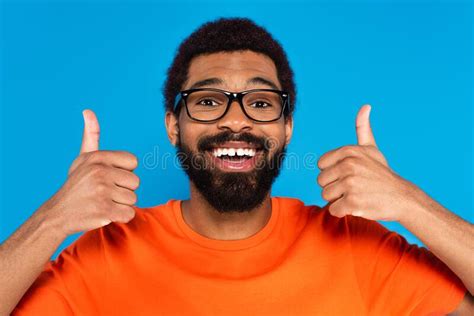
235 119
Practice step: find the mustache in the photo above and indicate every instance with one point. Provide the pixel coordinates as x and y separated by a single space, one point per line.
209 142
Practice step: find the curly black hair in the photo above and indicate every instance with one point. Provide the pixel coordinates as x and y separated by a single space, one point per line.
227 35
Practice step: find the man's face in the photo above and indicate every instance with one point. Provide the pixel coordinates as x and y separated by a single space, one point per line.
231 183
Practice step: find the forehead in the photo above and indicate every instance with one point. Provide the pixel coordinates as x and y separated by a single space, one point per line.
235 69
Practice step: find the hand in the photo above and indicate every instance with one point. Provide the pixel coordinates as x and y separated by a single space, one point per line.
100 186
357 180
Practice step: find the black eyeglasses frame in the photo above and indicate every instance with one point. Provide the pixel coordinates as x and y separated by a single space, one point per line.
183 95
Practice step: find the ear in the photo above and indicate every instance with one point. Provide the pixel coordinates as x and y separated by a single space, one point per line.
172 127
288 129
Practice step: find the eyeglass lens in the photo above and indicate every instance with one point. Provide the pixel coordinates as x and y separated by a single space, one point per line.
210 105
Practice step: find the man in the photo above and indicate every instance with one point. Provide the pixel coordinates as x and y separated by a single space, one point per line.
232 248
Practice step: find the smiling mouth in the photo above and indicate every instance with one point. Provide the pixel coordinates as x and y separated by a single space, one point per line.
239 156
235 150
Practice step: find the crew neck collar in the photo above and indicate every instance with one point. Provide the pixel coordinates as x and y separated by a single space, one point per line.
227 245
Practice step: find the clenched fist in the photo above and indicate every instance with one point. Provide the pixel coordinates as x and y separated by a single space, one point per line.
100 186
357 180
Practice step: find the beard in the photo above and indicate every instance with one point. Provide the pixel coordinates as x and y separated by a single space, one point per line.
231 191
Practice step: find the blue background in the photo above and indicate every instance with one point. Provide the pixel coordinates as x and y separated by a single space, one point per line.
411 60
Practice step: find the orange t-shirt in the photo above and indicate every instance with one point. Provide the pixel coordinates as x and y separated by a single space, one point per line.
303 262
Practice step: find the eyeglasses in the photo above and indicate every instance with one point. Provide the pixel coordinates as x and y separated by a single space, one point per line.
209 104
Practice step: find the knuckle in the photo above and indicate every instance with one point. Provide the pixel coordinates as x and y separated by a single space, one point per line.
350 181
101 188
350 163
351 150
94 156
97 170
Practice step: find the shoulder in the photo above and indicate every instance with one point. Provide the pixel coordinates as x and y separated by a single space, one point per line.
318 221
145 222
295 205
118 236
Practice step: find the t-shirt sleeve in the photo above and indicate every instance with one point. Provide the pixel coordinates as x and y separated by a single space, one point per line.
398 278
68 285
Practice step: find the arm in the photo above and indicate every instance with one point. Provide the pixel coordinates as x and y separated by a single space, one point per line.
23 256
358 181
98 191
448 236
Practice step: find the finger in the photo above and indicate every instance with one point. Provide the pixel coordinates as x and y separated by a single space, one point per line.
329 175
363 129
114 158
122 213
334 156
125 179
124 196
333 191
337 207
90 137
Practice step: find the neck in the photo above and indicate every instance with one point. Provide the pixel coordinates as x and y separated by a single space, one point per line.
207 221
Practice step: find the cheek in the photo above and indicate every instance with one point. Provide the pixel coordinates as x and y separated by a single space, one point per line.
275 139
191 132
189 138
185 129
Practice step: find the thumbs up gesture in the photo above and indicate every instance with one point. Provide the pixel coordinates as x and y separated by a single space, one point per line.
100 186
357 180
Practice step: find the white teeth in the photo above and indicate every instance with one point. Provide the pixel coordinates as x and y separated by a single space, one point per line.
218 152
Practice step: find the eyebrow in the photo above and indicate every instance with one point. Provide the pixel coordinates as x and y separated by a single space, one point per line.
206 82
260 80
218 81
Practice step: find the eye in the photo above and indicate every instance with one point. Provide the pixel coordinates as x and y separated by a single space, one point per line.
207 102
260 104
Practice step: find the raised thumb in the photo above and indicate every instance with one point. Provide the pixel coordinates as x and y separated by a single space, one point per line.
363 129
90 138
